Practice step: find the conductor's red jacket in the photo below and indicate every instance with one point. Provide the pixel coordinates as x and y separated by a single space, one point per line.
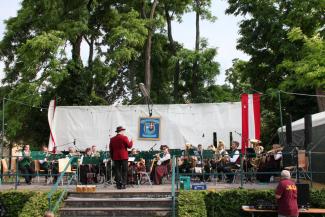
118 147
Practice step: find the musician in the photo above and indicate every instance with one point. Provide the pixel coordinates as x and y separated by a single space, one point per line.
44 164
72 152
25 164
132 167
94 152
258 148
161 169
221 156
87 171
272 163
118 149
186 162
232 161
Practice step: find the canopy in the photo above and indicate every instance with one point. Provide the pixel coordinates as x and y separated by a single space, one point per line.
318 119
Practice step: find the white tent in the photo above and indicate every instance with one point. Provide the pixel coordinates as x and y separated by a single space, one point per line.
315 150
179 124
318 119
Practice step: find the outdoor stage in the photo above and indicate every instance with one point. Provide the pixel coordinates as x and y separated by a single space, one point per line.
137 188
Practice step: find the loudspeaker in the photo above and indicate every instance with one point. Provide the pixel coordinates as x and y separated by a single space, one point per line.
289 132
308 131
303 195
215 139
230 138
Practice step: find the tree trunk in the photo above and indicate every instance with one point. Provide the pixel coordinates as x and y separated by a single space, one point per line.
148 73
197 26
194 89
76 49
320 100
173 51
91 52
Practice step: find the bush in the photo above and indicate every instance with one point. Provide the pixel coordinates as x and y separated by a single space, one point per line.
191 204
228 202
26 203
14 201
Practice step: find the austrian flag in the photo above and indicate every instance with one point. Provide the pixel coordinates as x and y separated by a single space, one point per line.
251 118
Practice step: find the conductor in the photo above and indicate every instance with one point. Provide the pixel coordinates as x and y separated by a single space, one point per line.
118 149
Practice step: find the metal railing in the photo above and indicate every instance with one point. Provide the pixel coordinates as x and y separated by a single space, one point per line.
56 185
173 187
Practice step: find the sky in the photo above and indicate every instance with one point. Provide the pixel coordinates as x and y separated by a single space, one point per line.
222 34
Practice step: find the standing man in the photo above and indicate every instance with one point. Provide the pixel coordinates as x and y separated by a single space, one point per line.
286 196
118 149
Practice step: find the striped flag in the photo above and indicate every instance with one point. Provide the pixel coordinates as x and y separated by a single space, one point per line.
50 116
251 118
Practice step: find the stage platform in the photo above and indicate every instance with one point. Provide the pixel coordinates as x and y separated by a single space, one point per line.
138 188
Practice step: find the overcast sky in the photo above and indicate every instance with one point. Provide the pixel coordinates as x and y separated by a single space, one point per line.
222 34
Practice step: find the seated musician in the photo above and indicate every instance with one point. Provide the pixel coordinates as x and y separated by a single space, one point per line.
25 164
258 148
94 152
161 169
221 156
132 167
272 163
232 161
44 164
186 162
200 164
87 171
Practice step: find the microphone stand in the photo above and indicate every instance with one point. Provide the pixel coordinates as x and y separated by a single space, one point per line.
151 149
110 181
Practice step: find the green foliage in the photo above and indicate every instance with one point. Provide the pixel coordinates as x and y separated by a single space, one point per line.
228 202
272 33
191 204
309 70
26 203
14 201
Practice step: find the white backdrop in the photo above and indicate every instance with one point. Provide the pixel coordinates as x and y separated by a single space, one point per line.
180 123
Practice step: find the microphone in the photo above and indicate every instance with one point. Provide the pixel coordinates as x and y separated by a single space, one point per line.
238 133
74 144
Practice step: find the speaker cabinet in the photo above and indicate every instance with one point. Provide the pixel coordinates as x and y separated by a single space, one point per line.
289 131
215 139
303 195
308 131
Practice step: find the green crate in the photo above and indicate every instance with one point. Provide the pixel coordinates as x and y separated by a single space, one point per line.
185 182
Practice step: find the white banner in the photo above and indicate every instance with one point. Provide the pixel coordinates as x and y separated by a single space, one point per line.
179 124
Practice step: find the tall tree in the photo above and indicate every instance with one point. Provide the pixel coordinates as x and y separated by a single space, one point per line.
202 11
309 70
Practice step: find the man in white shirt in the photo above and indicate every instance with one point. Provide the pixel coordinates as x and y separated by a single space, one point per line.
233 161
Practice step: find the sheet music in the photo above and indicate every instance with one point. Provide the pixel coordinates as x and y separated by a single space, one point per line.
131 159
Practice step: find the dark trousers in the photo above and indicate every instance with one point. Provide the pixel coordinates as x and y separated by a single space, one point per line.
121 172
28 172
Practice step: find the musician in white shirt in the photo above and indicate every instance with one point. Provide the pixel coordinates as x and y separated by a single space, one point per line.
161 169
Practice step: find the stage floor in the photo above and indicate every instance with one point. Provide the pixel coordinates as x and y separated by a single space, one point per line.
138 188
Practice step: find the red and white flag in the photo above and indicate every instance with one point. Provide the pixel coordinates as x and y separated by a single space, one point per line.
50 116
251 118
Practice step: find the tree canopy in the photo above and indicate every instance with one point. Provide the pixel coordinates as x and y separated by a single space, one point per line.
126 41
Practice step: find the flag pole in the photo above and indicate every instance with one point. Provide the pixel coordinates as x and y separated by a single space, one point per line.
281 120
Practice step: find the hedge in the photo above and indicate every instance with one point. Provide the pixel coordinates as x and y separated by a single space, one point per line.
25 203
228 202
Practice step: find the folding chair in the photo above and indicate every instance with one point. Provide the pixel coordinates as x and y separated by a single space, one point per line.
302 166
62 164
5 170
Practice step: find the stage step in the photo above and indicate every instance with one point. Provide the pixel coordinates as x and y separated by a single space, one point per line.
120 194
117 204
